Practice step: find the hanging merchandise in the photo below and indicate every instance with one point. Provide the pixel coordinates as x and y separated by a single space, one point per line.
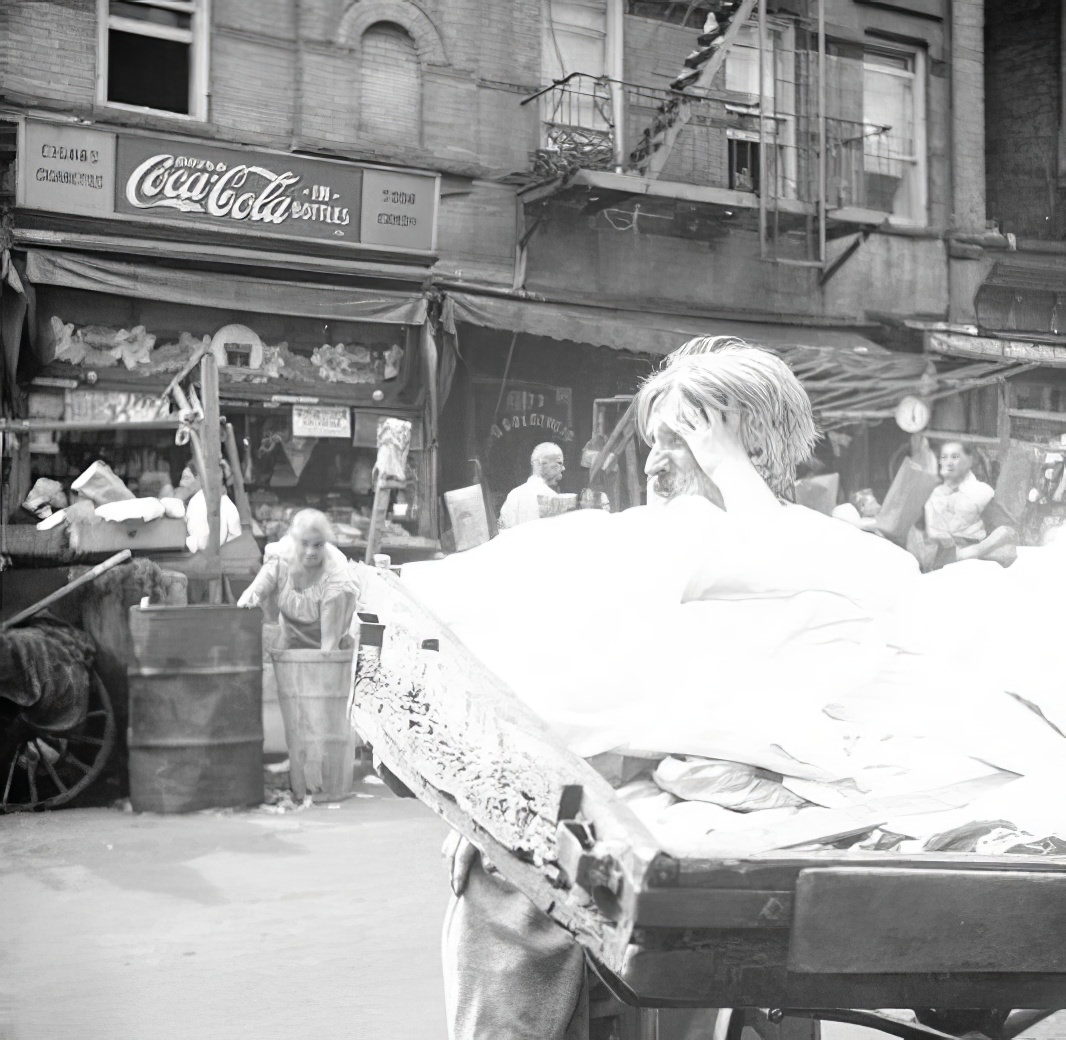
394 441
298 451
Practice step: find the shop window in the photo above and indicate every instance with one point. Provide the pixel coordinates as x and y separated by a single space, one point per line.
153 55
893 135
390 85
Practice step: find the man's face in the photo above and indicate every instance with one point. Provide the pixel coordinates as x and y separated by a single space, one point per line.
955 464
552 469
673 468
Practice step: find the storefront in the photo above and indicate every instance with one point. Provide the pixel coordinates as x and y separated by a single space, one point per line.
534 369
1020 423
133 254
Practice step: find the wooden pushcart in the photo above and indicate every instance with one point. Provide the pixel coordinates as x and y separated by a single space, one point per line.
802 933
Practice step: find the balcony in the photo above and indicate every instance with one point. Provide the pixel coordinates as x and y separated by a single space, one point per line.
601 133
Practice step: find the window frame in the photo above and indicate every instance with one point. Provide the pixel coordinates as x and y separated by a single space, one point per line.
197 36
919 159
779 119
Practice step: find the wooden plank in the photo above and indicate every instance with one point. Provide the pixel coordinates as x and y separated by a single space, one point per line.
713 908
378 513
692 932
52 597
473 752
719 969
623 429
29 425
166 533
632 472
240 495
868 920
211 439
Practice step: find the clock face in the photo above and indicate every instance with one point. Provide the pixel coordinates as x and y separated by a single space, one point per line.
912 414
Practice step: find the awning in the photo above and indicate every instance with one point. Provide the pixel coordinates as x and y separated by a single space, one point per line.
639 331
223 291
848 377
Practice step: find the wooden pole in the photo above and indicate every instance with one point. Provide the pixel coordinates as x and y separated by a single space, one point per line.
1003 417
82 579
240 495
211 441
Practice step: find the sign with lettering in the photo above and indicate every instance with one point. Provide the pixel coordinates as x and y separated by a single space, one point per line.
223 187
67 169
512 425
953 343
395 205
321 421
200 185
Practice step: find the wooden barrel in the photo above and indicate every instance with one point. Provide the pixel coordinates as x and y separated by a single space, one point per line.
196 708
313 688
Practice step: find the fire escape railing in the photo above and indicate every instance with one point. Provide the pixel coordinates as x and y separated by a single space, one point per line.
578 133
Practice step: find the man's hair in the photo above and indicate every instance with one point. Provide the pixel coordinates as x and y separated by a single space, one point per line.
313 520
724 374
543 450
967 449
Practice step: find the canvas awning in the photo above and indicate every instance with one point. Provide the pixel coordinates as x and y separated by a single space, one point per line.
848 376
224 291
640 331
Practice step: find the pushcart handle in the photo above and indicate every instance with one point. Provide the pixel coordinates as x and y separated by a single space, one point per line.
83 579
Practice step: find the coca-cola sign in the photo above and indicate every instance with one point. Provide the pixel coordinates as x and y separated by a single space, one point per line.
224 187
203 186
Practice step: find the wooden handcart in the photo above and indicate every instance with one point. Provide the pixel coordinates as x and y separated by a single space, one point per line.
800 935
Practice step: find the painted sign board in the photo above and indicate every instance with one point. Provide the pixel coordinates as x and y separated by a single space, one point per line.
67 169
960 345
82 171
321 421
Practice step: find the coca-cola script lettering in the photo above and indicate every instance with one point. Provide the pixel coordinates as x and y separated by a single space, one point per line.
239 192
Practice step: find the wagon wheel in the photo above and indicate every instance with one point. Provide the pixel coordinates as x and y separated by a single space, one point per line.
42 770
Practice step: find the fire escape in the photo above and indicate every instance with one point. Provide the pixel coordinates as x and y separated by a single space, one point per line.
794 173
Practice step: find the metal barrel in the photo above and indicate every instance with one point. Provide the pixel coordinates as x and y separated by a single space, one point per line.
196 708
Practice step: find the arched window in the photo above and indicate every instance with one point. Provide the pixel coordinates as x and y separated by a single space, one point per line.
390 81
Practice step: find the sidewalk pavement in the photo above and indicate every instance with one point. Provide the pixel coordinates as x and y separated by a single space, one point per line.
244 925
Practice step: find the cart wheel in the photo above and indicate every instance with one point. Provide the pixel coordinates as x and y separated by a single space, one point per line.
42 770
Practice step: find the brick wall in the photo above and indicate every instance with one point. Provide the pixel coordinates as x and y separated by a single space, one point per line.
61 38
390 86
1022 106
251 86
485 56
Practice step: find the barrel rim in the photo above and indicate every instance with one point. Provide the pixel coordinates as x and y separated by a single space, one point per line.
309 656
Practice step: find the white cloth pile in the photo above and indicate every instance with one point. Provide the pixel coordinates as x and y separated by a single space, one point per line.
791 644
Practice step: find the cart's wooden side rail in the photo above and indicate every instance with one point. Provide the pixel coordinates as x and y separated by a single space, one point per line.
783 929
469 748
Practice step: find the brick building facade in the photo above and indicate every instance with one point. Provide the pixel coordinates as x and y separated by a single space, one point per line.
829 179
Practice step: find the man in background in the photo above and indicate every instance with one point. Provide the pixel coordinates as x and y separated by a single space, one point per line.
524 502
